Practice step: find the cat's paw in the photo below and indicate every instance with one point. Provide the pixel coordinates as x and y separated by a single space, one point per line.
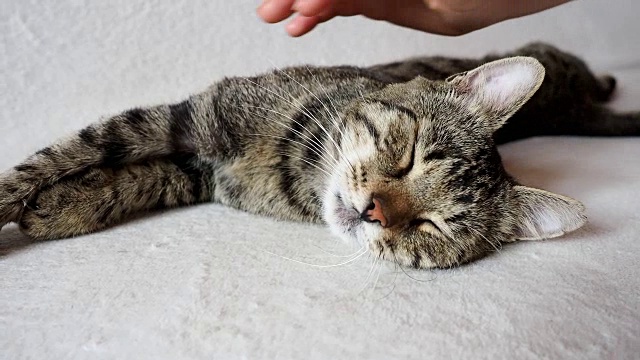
59 211
605 87
41 223
10 213
13 197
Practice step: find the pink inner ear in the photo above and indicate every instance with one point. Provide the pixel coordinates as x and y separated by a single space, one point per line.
500 88
502 85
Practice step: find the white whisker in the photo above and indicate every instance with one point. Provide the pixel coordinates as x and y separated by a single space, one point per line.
337 255
316 143
302 108
317 265
314 118
405 272
333 116
338 124
333 166
375 283
477 232
306 161
326 92
365 283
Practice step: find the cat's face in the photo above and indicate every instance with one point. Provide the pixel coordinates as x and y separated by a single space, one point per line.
420 182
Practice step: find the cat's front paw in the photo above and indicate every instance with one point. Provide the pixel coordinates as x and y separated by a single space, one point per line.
10 212
64 210
13 199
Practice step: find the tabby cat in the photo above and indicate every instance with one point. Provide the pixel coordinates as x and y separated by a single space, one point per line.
400 158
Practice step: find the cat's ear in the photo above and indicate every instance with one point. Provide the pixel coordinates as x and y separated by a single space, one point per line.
544 215
501 87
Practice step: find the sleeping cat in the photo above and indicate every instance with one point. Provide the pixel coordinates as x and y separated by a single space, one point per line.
400 158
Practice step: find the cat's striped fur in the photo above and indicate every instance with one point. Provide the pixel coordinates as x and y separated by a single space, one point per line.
401 164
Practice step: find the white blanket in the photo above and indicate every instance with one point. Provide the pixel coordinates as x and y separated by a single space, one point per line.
210 282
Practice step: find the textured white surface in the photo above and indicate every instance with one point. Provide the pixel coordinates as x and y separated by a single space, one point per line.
202 283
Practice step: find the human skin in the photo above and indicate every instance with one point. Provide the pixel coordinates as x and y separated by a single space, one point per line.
444 17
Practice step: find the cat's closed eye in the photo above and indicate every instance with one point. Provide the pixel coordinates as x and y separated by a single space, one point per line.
407 165
424 224
406 168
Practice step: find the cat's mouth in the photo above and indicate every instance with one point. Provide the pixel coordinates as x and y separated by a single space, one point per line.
346 217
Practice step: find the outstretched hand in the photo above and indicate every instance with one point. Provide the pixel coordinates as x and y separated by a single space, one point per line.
445 17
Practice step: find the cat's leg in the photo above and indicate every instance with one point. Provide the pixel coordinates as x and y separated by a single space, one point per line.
133 136
604 122
96 198
605 86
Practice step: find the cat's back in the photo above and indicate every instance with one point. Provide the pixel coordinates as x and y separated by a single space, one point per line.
295 92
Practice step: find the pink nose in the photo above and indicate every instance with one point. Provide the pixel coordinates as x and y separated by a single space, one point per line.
374 212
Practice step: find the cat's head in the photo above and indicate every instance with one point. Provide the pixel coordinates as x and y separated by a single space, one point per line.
420 181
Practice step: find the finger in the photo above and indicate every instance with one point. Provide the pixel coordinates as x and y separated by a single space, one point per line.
273 11
301 25
312 7
326 14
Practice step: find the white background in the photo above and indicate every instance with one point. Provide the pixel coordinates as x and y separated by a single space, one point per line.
203 282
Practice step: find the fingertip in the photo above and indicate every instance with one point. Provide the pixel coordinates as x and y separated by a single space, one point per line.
302 25
273 11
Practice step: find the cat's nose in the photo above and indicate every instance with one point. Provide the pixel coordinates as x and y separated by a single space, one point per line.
374 212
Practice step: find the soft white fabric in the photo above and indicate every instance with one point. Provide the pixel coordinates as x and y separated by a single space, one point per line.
210 282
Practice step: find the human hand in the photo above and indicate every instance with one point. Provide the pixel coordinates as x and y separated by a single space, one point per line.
444 17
